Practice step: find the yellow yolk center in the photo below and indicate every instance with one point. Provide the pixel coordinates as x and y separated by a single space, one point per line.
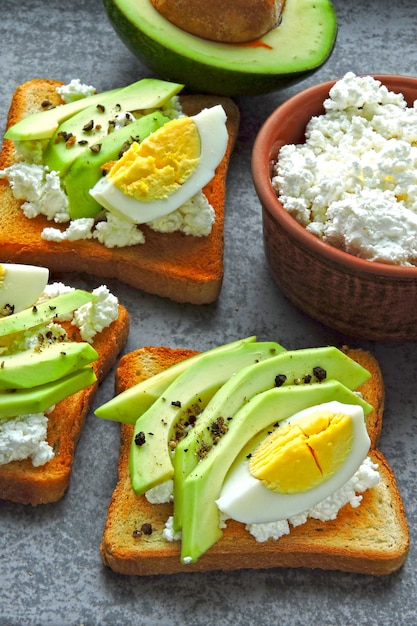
301 455
159 165
3 273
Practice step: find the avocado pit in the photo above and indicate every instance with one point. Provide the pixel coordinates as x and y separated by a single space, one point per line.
215 20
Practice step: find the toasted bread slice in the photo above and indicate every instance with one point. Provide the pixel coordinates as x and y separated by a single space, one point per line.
180 267
370 539
21 482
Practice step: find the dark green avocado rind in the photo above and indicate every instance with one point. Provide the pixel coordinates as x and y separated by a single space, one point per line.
289 53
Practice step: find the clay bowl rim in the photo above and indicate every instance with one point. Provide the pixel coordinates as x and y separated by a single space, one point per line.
264 153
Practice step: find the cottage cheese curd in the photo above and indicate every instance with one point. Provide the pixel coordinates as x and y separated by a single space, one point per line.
195 217
40 190
353 182
93 317
111 231
161 493
25 437
75 90
90 318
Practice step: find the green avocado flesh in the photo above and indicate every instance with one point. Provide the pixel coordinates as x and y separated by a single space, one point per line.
182 402
36 378
92 124
298 46
43 313
147 93
240 391
42 125
86 171
34 367
295 365
129 405
39 399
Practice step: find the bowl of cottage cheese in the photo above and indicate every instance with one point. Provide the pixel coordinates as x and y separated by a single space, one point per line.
335 170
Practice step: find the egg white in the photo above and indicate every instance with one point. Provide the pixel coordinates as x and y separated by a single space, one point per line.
21 285
245 499
211 125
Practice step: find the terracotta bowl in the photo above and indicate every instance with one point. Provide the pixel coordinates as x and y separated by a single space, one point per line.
360 298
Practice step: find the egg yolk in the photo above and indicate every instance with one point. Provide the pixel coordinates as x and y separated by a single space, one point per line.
301 455
161 163
3 273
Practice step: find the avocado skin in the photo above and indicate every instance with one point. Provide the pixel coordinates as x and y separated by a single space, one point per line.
202 76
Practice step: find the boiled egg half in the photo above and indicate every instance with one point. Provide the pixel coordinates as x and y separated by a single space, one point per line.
161 173
20 286
306 458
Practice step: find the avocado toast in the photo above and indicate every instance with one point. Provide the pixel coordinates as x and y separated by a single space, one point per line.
173 265
370 538
54 354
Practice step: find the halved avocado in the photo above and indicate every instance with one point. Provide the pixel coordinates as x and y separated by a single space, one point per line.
296 48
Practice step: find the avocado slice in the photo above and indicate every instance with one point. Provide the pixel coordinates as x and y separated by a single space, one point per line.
44 312
302 367
129 405
202 487
297 47
43 124
37 366
175 413
86 170
39 399
86 129
144 94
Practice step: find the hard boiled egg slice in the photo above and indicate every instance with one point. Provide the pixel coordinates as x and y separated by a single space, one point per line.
158 175
305 459
20 286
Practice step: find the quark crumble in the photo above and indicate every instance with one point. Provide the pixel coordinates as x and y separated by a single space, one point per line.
353 182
